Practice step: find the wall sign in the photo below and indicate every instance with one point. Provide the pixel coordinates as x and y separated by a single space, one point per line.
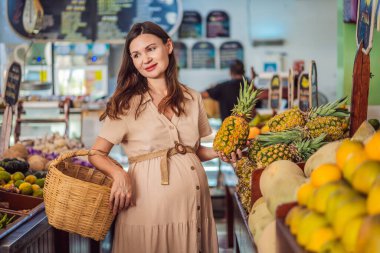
180 53
218 24
365 24
191 26
80 20
275 92
290 88
203 55
12 86
304 92
313 84
230 51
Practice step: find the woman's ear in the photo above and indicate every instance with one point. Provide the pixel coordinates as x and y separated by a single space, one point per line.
169 45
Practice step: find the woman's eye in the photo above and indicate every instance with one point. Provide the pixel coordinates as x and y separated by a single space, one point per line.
151 49
135 56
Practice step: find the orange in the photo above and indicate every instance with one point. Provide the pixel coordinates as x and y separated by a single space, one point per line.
253 132
265 129
346 149
372 148
324 174
304 193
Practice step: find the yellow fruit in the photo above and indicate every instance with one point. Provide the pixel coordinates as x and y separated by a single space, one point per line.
351 233
323 193
346 149
332 247
373 200
30 179
24 185
18 176
365 176
291 214
324 174
26 189
304 193
352 163
373 147
38 193
369 234
265 129
346 212
310 223
296 220
336 201
18 183
35 187
5 176
319 238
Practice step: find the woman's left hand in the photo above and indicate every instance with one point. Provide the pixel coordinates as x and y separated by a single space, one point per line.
234 156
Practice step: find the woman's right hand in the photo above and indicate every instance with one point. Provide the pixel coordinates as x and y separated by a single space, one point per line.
121 191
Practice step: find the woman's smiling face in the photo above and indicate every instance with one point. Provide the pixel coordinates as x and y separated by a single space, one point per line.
150 55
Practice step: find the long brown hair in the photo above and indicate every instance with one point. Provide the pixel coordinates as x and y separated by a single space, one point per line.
130 82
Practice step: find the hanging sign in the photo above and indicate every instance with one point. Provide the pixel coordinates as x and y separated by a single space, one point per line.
84 20
218 24
229 52
12 86
180 53
191 26
313 84
290 88
203 55
275 92
304 92
365 24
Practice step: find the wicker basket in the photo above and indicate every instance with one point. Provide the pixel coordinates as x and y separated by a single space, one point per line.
77 197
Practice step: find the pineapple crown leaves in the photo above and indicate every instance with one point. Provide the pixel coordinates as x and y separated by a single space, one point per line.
307 147
246 101
285 137
331 109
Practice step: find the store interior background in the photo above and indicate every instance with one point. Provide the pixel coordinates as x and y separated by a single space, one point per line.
310 30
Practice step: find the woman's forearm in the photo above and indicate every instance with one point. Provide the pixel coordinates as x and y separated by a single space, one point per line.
105 165
205 153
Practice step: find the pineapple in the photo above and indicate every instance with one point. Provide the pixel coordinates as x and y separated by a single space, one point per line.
285 137
334 127
244 168
289 119
296 152
234 131
330 119
254 148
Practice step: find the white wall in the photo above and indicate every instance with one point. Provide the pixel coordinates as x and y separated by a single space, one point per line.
309 28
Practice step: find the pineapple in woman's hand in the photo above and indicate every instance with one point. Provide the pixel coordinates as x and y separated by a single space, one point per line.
234 131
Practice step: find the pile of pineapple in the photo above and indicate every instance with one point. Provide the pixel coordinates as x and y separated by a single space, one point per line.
339 207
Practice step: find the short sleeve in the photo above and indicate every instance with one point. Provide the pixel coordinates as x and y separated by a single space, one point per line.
215 92
114 131
203 123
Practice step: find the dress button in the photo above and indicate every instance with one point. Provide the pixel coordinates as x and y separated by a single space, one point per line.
197 187
199 207
199 230
192 168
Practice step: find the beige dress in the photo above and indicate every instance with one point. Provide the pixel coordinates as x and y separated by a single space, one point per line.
174 218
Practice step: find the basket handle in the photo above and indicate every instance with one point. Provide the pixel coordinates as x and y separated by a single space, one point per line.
81 152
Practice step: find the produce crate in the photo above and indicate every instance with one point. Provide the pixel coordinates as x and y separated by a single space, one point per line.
24 207
285 240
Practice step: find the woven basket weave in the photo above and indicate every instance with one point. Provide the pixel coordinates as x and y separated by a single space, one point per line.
77 197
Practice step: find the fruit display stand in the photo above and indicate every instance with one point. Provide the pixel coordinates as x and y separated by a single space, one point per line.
243 239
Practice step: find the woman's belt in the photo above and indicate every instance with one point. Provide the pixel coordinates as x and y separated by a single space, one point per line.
165 154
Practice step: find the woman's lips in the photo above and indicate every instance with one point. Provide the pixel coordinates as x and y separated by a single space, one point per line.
151 68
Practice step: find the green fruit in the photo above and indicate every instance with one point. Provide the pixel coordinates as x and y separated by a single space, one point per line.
2 169
38 193
5 176
18 176
19 182
336 201
40 182
351 233
323 193
27 190
365 176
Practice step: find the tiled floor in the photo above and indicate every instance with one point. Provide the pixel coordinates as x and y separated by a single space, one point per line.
222 236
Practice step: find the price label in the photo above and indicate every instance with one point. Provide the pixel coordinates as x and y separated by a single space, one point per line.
304 92
275 92
12 86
